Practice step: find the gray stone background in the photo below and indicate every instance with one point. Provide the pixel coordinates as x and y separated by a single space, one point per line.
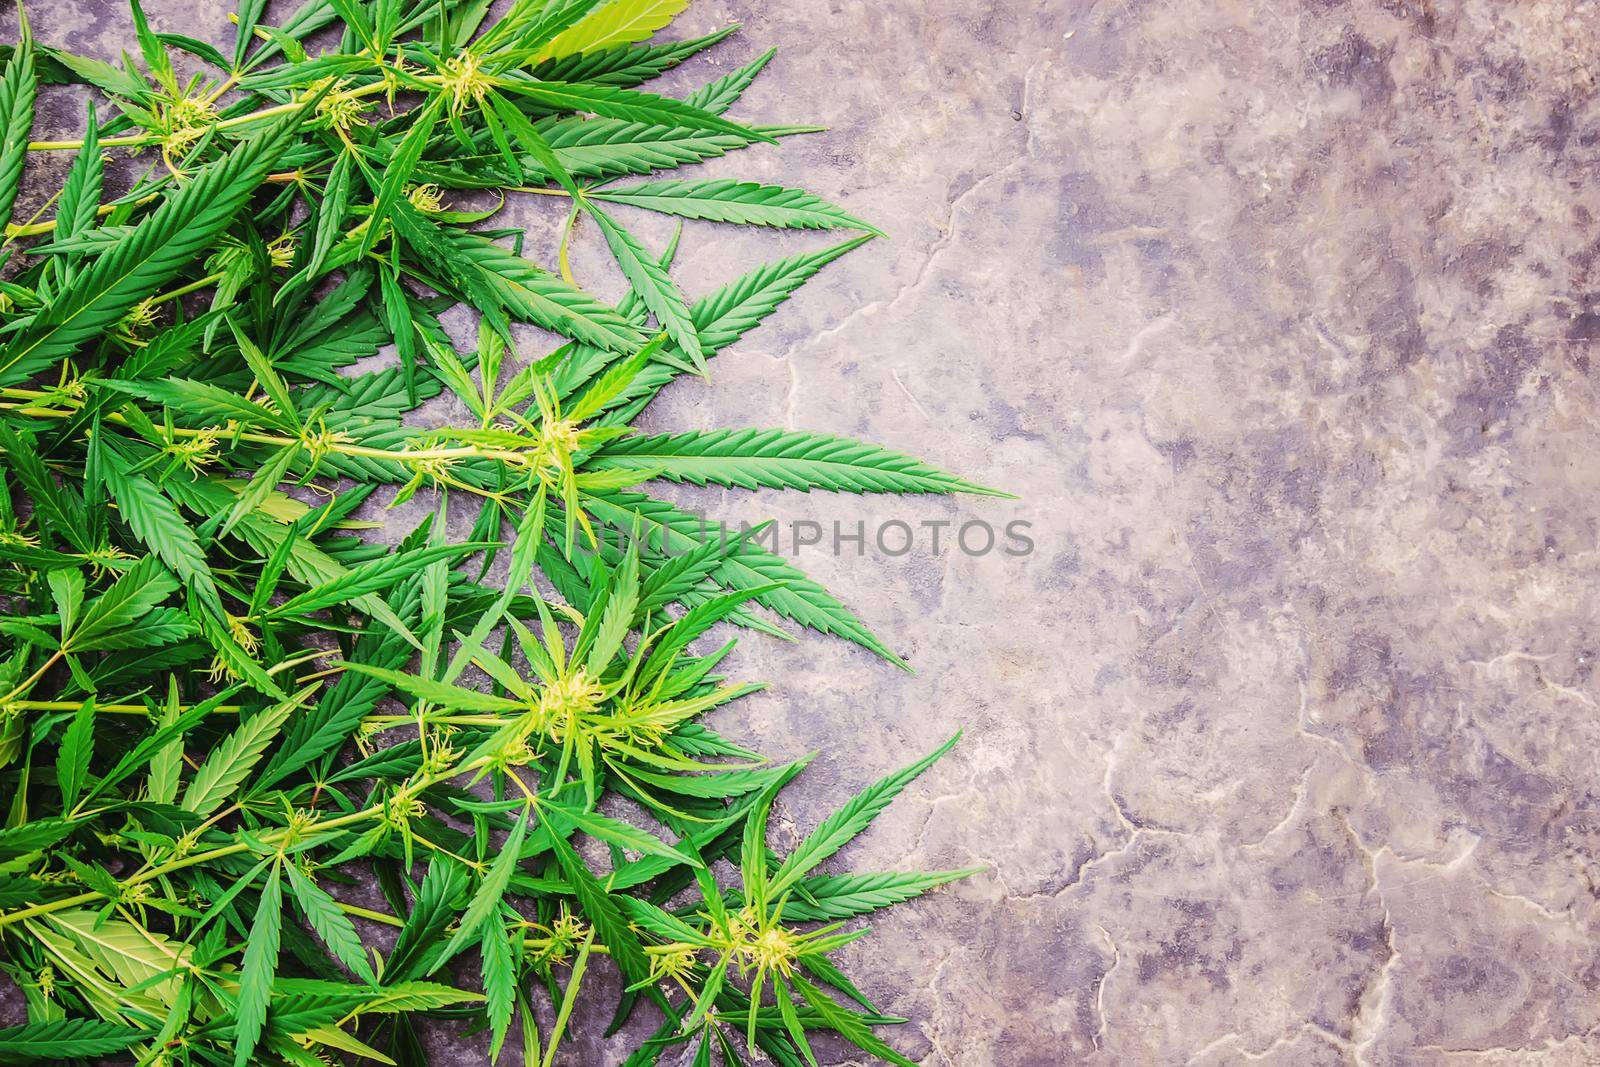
1279 319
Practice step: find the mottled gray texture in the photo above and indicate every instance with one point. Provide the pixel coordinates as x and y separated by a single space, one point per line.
1279 318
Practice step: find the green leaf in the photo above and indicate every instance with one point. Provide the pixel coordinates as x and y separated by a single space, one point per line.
271 382
536 296
80 193
847 1023
155 54
261 486
373 576
203 402
569 998
258 970
791 1020
158 247
330 214
626 67
843 825
486 900
330 923
603 912
18 87
156 522
430 916
499 984
747 203
618 833
727 314
719 95
616 22
230 763
650 281
139 589
753 849
77 746
143 966
66 589
777 459
628 105
535 144
31 837
446 696
844 896
65 1039
166 762
797 597
400 167
608 148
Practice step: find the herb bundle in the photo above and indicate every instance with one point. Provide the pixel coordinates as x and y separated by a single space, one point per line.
242 745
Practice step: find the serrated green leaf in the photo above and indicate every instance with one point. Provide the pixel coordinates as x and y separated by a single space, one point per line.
536 296
77 747
486 899
748 203
160 245
499 985
157 523
373 576
331 924
629 106
64 1039
843 825
259 969
230 763
131 598
654 288
18 88
777 459
613 23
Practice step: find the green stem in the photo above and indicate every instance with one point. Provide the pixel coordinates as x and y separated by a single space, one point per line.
136 140
25 686
185 290
109 709
270 837
341 447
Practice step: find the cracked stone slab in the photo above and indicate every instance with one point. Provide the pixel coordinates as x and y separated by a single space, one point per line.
1279 319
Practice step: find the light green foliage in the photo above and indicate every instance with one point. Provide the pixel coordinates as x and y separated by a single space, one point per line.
237 732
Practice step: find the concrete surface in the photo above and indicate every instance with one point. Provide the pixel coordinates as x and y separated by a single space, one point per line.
1279 318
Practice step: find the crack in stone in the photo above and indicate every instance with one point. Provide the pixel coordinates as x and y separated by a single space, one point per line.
909 396
1553 916
1102 1028
1372 1006
931 1030
1300 794
793 394
1289 1038
1143 334
1549 1044
1538 661
949 233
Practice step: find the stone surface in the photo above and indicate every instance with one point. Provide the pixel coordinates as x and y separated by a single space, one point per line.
1279 319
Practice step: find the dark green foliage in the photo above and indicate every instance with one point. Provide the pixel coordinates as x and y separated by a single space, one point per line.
238 735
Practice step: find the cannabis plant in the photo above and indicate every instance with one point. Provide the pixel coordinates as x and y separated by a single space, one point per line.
240 736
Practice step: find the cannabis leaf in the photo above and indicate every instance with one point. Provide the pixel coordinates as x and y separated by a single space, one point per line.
244 726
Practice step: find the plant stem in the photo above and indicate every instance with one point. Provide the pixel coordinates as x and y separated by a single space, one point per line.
136 140
343 448
185 290
366 913
109 709
270 837
25 686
